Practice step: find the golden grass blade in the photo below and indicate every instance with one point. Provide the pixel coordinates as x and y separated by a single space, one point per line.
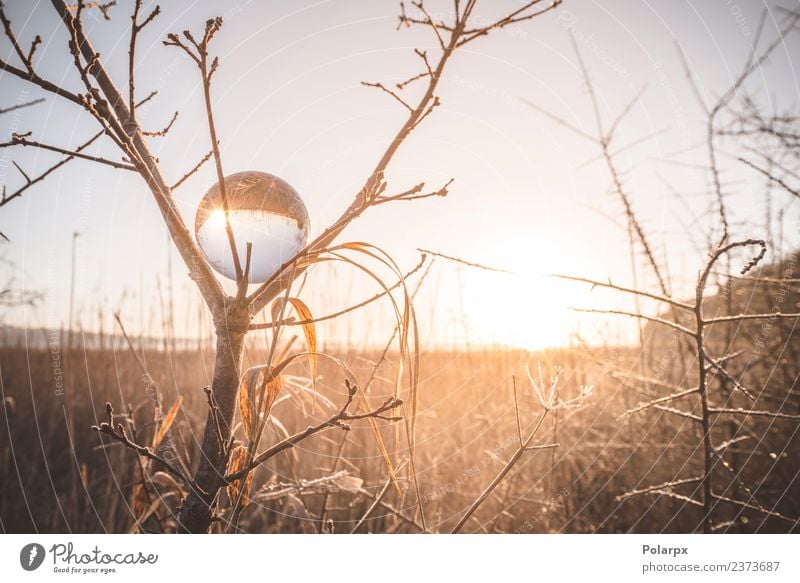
404 317
309 331
237 463
278 369
258 389
274 384
166 423
407 326
373 425
406 320
247 388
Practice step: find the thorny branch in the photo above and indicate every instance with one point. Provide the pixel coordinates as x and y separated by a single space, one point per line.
705 364
755 60
463 261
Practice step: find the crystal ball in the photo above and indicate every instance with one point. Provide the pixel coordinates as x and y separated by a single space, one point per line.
262 210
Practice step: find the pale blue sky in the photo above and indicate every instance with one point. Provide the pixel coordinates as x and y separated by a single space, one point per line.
289 101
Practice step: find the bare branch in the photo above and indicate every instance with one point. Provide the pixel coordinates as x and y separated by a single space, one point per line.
610 285
191 172
21 105
428 72
31 182
22 140
740 317
200 57
383 88
136 28
339 420
521 449
163 132
624 113
754 507
119 434
771 177
560 121
753 413
679 413
718 366
650 489
520 15
659 401
133 146
463 262
413 193
655 319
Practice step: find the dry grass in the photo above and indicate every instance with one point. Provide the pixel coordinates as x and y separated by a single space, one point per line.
466 432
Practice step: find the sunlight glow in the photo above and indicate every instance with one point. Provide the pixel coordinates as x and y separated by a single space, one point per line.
525 308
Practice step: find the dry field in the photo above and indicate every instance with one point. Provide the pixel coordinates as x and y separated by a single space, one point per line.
59 476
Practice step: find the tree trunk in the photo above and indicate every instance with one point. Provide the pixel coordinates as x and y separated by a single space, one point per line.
198 507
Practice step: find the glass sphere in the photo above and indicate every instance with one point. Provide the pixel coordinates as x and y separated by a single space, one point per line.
263 210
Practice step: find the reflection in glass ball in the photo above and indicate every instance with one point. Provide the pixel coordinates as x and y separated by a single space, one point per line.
263 210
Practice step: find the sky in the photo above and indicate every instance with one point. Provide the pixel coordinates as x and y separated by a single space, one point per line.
528 197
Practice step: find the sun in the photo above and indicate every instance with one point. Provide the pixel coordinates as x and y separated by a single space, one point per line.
524 307
217 218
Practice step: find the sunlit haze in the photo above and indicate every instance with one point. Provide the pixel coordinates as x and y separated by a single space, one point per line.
530 197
